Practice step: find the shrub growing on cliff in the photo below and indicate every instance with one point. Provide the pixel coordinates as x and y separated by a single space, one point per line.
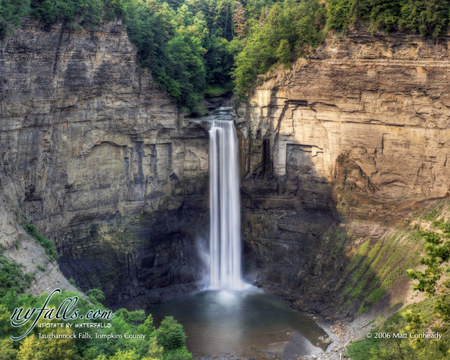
47 244
95 295
85 13
11 14
432 314
12 276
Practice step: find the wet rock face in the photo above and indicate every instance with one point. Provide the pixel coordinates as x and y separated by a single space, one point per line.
96 155
358 131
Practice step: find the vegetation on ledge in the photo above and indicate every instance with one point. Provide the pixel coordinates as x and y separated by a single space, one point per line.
12 276
427 18
47 244
402 335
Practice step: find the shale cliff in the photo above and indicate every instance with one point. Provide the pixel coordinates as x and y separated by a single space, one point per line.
340 148
99 159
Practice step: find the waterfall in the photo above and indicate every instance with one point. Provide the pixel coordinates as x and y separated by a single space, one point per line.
225 210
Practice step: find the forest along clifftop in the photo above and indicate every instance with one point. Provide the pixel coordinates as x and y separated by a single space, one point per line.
341 148
101 160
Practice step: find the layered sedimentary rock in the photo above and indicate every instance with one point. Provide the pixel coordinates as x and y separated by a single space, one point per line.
360 130
18 246
100 159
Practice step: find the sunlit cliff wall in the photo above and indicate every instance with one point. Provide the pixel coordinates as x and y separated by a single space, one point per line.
356 134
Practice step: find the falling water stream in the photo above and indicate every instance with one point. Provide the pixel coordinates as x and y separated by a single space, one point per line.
232 317
225 213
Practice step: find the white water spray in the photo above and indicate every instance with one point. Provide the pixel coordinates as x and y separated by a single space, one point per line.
225 209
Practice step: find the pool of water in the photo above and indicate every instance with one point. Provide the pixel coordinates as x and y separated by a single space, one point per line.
247 323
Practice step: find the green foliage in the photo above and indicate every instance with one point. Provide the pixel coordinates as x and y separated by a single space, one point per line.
431 215
431 315
284 52
217 90
436 259
187 70
155 351
124 322
33 348
291 29
11 14
12 276
185 46
218 61
13 11
178 354
41 267
84 13
95 295
425 17
47 244
442 225
170 334
194 46
8 351
125 355
437 253
417 318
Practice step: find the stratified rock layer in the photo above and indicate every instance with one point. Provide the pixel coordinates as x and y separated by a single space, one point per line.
92 151
358 131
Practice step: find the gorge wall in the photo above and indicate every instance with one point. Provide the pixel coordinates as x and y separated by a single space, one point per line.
344 144
99 159
335 151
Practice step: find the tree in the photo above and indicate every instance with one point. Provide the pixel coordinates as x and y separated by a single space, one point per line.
239 20
284 52
299 24
155 351
95 295
27 348
8 352
428 18
223 19
147 328
187 70
125 355
11 14
170 334
437 255
44 349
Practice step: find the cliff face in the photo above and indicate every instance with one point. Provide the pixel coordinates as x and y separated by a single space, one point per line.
343 145
358 134
100 159
18 246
